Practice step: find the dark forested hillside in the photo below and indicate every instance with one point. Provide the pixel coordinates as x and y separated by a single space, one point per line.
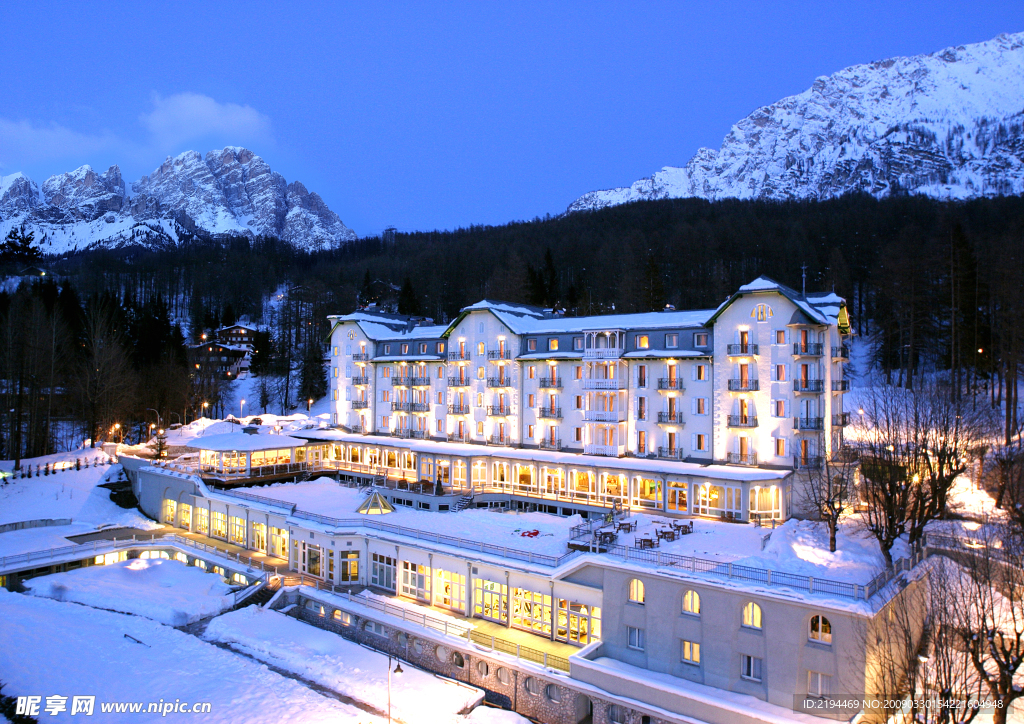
932 284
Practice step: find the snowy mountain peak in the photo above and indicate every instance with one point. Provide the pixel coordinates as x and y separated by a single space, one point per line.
948 124
230 191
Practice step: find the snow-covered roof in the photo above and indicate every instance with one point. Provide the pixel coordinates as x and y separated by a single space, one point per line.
819 307
237 326
382 327
240 441
665 353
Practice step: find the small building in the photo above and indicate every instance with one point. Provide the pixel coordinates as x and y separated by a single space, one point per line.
243 456
237 334
225 361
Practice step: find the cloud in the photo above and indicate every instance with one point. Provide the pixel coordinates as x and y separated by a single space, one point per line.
23 142
184 117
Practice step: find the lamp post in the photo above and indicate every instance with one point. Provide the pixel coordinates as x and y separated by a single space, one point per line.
159 419
241 404
309 404
398 670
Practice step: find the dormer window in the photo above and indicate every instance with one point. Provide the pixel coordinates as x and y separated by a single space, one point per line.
700 339
553 344
531 345
405 349
387 349
642 341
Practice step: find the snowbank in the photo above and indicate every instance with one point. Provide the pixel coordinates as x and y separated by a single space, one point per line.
164 590
343 666
60 648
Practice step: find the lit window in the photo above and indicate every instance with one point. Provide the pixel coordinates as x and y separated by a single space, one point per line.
635 638
423 347
577 434
405 349
700 442
530 372
387 349
780 447
752 616
751 668
821 630
780 336
691 653
479 373
553 344
642 341
577 343
636 590
700 373
691 603
529 400
479 428
529 431
700 339
780 408
531 345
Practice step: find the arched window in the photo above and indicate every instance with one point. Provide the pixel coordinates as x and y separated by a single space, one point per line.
752 615
636 591
821 630
691 603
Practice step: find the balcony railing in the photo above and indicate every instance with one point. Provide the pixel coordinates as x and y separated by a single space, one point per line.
670 453
455 355
359 429
360 404
840 419
841 352
611 450
499 381
361 380
549 444
551 413
602 353
809 423
666 383
456 382
419 381
840 385
402 432
458 409
604 415
743 385
808 385
805 462
499 410
742 421
741 458
811 349
401 407
499 440
742 350
400 381
550 383
360 357
670 418
616 383
499 354
456 437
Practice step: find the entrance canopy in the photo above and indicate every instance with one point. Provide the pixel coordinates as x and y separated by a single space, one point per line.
375 504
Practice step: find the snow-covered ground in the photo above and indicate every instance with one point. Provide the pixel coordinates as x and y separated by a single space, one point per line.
164 590
535 532
343 666
53 648
68 493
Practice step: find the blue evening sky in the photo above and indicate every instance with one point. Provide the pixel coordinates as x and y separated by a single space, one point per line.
434 114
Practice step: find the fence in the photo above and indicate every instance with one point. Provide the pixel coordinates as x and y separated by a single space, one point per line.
39 523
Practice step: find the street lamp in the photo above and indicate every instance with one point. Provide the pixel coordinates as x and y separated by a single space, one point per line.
309 404
398 670
241 404
159 419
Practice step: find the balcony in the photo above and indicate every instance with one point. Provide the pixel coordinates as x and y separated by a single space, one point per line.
842 352
456 382
670 453
741 458
666 383
499 381
400 381
812 386
616 383
360 357
499 354
840 385
743 385
807 462
360 404
419 381
742 350
742 421
361 380
499 440
402 432
458 409
455 355
550 413
610 450
550 383
358 429
498 411
670 418
456 437
604 415
602 353
841 419
809 423
811 349
549 444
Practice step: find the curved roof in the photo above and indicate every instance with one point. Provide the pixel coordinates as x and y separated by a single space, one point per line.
241 441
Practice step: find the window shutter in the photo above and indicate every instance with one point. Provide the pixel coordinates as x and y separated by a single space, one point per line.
693 441
693 406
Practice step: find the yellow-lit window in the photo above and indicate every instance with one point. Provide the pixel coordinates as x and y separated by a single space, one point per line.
636 591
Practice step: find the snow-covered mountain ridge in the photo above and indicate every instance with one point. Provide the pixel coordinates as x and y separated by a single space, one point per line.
229 192
948 125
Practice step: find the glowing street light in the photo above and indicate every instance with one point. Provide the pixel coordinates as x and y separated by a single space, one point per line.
309 404
241 404
398 670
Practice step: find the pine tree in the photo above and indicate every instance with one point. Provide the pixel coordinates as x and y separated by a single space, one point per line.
17 247
407 300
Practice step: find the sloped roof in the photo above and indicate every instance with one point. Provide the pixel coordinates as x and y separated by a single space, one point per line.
817 307
375 504
240 441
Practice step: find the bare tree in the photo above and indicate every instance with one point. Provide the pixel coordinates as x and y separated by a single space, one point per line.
829 490
105 379
913 446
